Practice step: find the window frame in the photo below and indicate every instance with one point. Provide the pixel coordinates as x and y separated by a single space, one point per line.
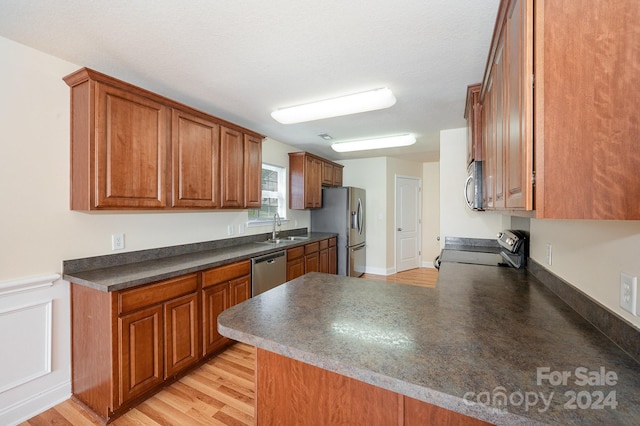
281 195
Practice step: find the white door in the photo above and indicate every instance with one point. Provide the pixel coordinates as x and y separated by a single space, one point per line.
407 223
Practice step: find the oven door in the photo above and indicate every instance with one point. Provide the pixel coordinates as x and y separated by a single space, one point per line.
473 186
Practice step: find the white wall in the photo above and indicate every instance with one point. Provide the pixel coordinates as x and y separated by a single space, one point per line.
456 220
38 229
430 212
590 255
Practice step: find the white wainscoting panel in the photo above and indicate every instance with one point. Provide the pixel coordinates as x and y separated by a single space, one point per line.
25 333
35 359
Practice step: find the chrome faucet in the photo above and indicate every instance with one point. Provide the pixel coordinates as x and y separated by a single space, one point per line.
276 220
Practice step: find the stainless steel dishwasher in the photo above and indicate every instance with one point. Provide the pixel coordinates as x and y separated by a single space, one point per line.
268 271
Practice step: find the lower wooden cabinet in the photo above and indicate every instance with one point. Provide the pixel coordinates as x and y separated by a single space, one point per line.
180 334
141 356
311 257
320 256
295 263
157 333
333 256
222 288
128 343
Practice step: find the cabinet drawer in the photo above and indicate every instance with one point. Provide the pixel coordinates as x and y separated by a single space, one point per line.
294 253
225 273
332 242
311 248
148 295
324 244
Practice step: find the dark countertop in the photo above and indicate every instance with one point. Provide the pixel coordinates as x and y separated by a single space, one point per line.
118 272
483 332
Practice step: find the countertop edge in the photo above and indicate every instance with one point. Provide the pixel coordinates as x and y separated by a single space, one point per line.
428 395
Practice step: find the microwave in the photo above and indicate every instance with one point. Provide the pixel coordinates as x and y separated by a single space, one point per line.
473 186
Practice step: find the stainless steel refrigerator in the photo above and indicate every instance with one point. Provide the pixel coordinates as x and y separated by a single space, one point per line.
342 212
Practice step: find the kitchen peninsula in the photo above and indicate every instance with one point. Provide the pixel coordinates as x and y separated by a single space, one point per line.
488 343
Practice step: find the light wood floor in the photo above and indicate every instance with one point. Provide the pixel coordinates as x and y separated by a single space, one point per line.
221 392
423 277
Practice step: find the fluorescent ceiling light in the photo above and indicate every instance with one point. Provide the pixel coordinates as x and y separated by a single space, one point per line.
386 142
345 105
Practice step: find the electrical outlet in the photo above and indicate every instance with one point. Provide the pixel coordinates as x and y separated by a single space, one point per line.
549 257
117 241
241 229
229 229
628 292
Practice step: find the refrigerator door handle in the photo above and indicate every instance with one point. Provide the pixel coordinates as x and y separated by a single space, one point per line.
360 217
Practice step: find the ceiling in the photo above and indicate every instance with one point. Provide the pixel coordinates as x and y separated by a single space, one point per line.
240 60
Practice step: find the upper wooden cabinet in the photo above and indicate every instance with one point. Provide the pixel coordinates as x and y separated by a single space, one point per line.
232 149
252 171
134 149
307 174
582 146
196 161
472 113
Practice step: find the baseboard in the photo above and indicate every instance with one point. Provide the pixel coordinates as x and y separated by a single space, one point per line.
35 404
380 271
427 265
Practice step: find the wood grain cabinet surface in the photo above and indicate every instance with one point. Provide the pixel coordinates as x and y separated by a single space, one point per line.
570 109
222 288
195 161
134 149
472 113
307 175
124 343
319 256
304 392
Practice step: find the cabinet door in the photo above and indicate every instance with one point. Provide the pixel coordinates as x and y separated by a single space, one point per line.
323 260
240 290
333 258
180 334
130 150
489 171
519 146
196 161
141 349
472 114
295 268
311 262
232 167
337 176
252 171
327 174
500 120
214 300
313 183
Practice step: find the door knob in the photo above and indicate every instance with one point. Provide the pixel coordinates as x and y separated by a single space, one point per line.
399 229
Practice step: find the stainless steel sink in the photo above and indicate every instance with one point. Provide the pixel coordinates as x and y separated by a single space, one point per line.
277 241
285 240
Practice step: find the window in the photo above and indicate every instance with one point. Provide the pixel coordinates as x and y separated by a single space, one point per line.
273 194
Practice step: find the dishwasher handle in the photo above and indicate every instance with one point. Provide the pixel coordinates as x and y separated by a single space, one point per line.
269 258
